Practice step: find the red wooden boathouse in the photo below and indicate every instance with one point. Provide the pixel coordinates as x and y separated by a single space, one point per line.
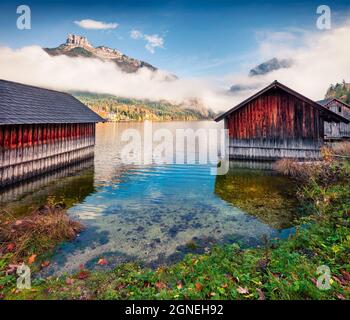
275 123
41 130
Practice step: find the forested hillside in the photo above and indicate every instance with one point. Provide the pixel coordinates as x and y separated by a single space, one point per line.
340 91
124 109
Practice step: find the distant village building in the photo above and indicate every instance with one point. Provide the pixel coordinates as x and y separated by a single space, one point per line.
275 123
336 131
41 130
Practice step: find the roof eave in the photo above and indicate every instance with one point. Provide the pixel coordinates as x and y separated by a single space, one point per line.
334 117
219 117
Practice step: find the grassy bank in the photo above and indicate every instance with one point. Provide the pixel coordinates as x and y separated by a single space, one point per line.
281 269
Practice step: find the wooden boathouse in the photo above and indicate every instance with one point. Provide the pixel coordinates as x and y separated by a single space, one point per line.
275 123
336 131
41 130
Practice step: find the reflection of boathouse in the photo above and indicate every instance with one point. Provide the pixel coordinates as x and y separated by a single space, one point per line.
41 130
277 122
260 193
69 185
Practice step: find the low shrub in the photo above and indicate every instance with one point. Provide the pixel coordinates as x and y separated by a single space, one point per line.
322 173
36 233
341 149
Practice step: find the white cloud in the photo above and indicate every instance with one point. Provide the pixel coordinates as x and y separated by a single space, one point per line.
95 25
153 41
135 34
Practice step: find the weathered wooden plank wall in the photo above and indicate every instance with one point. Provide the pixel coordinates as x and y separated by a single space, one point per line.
275 125
338 130
28 150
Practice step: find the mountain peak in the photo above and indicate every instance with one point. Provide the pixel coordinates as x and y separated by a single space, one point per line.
79 46
270 65
78 41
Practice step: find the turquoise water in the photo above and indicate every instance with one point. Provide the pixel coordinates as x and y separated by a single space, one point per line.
154 214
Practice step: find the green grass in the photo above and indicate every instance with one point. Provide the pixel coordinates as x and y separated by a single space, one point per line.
281 269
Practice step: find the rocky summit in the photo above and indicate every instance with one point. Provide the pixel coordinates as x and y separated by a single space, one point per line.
79 46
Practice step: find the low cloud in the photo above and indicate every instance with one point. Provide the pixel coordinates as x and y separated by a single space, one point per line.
152 41
32 65
96 25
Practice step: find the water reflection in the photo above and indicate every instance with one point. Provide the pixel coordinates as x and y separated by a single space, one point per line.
261 193
69 185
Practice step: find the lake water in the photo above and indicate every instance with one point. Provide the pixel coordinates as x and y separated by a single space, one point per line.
156 213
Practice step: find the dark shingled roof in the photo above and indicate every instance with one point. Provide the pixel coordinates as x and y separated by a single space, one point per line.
24 104
326 114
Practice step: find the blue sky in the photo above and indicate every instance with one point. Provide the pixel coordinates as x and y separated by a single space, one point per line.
201 38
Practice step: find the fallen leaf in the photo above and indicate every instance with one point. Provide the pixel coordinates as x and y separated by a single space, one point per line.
276 276
340 280
231 278
160 285
10 247
45 264
225 285
242 290
346 275
179 285
31 259
83 274
120 286
261 294
11 269
69 281
15 291
199 287
102 262
340 296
